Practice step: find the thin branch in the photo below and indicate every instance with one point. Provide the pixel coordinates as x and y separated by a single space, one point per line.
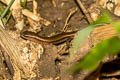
68 19
84 11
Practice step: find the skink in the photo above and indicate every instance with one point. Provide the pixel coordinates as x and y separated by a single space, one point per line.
56 39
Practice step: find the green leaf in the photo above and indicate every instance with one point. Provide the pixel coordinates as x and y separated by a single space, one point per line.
7 8
92 60
82 34
104 18
116 25
80 37
25 2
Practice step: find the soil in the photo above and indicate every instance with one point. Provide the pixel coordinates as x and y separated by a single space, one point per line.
52 65
57 15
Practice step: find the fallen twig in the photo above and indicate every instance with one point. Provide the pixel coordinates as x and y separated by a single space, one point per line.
84 11
68 19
